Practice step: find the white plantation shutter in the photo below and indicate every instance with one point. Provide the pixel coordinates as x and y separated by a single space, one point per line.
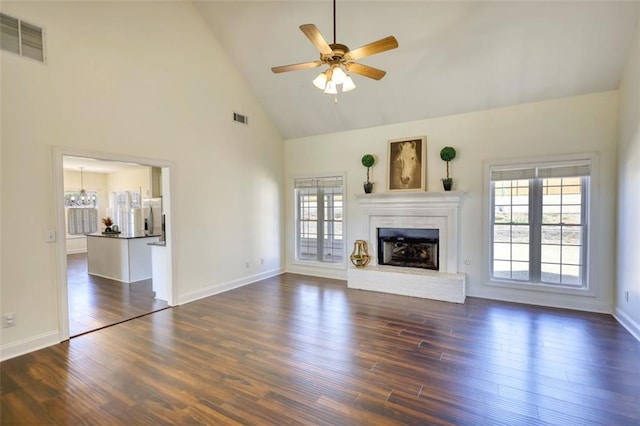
322 182
539 223
544 171
82 220
319 219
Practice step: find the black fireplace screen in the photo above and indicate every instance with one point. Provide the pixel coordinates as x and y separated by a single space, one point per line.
414 251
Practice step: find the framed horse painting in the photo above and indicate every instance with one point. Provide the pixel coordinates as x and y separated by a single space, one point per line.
407 164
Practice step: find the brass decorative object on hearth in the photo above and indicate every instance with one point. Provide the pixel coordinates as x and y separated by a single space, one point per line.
360 255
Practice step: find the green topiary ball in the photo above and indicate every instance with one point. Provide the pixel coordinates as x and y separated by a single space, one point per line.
368 160
447 153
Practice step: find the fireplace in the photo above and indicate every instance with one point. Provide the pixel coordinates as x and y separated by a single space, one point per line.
408 247
419 230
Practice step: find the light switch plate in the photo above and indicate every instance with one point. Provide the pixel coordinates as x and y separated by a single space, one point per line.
50 236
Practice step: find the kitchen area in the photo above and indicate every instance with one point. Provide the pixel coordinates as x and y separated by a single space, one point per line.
121 251
116 230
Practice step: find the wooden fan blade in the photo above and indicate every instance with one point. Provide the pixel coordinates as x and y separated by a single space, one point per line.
296 67
365 70
379 46
316 38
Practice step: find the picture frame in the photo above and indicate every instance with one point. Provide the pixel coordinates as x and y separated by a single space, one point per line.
407 164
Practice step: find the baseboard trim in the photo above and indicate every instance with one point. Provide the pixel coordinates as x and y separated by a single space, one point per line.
628 323
578 303
31 344
331 273
226 286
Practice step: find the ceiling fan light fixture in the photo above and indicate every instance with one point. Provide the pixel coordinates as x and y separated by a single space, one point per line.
348 84
338 75
340 59
331 88
321 81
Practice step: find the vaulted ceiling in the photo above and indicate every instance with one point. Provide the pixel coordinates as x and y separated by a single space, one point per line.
453 57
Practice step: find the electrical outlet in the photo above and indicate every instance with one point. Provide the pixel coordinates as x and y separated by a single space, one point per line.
9 320
626 295
247 264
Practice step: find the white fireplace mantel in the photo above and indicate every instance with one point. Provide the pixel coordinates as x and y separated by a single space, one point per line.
412 200
418 210
422 210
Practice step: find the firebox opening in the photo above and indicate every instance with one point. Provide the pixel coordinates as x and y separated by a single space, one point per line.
409 247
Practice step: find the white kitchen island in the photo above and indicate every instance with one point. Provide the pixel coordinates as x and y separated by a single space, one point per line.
120 257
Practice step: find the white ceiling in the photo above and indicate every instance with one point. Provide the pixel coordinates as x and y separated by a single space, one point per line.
453 57
92 165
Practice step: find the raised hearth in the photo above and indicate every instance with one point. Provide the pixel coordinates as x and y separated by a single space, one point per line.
435 213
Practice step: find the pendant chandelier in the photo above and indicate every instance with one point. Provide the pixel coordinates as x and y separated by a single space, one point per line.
82 199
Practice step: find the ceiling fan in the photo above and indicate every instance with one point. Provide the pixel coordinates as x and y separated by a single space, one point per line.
339 59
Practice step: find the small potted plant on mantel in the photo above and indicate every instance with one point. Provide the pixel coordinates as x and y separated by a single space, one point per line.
368 161
447 154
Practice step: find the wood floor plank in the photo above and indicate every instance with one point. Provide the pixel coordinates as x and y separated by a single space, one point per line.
299 350
95 302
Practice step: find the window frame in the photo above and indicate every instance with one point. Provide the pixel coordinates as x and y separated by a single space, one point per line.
296 225
68 206
589 195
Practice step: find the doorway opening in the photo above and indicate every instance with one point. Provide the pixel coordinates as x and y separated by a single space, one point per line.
106 271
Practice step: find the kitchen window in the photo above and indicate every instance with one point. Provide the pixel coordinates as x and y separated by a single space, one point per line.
319 219
539 224
81 212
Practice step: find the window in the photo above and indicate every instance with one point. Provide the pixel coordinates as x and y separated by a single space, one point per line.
22 38
539 224
82 213
319 215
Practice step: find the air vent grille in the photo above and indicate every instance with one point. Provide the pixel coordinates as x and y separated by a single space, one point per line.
240 118
22 38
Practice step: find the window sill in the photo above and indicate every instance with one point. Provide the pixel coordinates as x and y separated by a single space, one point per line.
76 237
543 288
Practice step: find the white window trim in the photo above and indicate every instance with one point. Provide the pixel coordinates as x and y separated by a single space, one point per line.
592 272
314 263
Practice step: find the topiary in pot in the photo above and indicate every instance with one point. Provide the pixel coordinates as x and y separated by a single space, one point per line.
368 161
447 154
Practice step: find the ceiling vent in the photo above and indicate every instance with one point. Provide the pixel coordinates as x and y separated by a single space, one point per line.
240 118
22 38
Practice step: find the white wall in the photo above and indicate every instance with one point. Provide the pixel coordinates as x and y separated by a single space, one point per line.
572 125
137 180
628 265
92 182
144 80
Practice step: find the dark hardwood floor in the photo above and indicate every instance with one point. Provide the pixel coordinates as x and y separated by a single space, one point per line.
301 350
96 302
